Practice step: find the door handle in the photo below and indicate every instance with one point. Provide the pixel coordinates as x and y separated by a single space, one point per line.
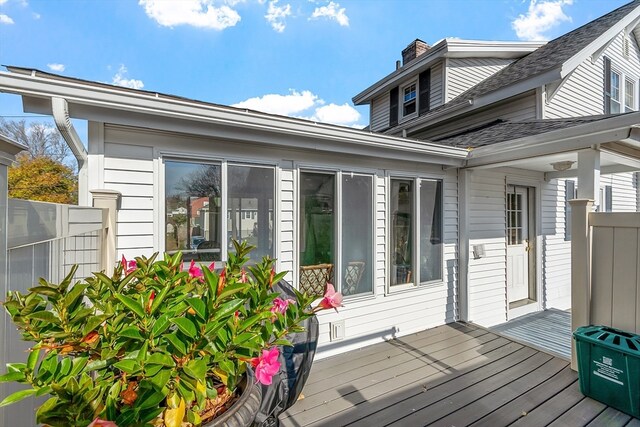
528 246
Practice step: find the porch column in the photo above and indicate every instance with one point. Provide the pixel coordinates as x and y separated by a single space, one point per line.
8 151
589 175
109 200
580 268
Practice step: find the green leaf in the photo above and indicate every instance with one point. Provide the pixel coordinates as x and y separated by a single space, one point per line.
131 304
161 378
186 326
196 369
159 298
128 365
229 307
149 414
78 365
33 359
161 324
150 398
96 365
253 320
12 376
45 316
72 296
93 322
160 359
177 343
17 396
198 306
131 332
46 291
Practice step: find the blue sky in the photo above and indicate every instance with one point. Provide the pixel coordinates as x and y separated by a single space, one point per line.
303 58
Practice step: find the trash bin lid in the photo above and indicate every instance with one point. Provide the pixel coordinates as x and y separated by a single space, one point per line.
612 338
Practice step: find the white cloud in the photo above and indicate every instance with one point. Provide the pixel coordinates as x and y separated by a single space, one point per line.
56 67
120 80
540 18
343 114
36 15
304 105
217 15
3 2
331 11
286 105
276 15
5 19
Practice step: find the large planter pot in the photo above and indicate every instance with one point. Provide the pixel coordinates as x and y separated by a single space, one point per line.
244 410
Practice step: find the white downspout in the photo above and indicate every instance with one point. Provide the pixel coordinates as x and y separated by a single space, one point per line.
60 110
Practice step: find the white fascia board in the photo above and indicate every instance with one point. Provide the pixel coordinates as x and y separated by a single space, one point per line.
564 140
602 40
91 100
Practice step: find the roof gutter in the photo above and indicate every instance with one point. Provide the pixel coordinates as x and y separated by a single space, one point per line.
60 110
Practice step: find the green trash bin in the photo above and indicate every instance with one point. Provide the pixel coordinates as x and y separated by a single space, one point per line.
609 367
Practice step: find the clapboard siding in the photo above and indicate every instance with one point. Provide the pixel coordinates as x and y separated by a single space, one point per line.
487 275
436 97
380 112
286 221
521 107
582 92
128 168
624 190
556 259
463 73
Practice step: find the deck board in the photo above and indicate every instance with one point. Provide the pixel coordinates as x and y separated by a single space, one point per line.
456 374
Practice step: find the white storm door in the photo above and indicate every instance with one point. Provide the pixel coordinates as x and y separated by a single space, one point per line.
517 243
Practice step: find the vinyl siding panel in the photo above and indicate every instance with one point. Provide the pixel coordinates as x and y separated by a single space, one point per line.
582 92
285 219
464 73
380 112
437 86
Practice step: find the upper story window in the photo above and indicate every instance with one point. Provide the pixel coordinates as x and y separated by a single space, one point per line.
629 95
409 100
615 92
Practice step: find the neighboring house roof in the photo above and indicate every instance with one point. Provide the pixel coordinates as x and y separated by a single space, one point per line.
505 130
553 61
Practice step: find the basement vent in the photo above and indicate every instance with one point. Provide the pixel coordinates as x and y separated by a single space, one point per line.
336 330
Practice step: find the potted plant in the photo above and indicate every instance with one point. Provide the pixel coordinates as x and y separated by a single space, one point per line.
155 343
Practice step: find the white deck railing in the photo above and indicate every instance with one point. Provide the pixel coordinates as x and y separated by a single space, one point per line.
605 269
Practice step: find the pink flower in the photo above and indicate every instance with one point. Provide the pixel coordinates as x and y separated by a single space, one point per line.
128 266
243 276
332 299
102 423
212 266
266 365
280 305
194 270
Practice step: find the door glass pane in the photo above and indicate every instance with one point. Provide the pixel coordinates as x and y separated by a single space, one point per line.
317 235
250 207
401 208
357 234
430 230
192 209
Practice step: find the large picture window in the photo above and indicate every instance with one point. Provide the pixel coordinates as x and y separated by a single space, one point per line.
415 214
322 195
193 209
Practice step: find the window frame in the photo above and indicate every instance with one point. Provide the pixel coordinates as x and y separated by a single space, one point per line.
415 272
619 99
338 269
634 102
194 158
402 102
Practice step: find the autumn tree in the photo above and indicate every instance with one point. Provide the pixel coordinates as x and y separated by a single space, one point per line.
41 172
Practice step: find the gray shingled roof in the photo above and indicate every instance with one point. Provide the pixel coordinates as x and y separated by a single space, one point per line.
545 58
504 130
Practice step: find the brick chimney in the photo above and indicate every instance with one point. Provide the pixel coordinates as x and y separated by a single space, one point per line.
415 49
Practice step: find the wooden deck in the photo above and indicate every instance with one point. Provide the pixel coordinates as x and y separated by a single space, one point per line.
453 375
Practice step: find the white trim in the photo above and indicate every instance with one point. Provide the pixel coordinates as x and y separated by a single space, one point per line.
401 116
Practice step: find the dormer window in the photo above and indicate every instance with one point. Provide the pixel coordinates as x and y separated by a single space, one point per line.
409 99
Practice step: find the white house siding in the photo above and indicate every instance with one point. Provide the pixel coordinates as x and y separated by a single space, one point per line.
582 92
380 112
463 73
556 261
624 191
436 96
487 303
132 165
521 107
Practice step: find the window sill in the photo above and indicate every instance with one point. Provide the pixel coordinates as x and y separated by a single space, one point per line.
412 287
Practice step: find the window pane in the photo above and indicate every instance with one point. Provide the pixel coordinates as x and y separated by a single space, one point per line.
192 206
250 206
401 208
430 230
357 234
629 96
615 86
317 236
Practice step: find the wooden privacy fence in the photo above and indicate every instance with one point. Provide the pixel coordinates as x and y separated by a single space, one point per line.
605 269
